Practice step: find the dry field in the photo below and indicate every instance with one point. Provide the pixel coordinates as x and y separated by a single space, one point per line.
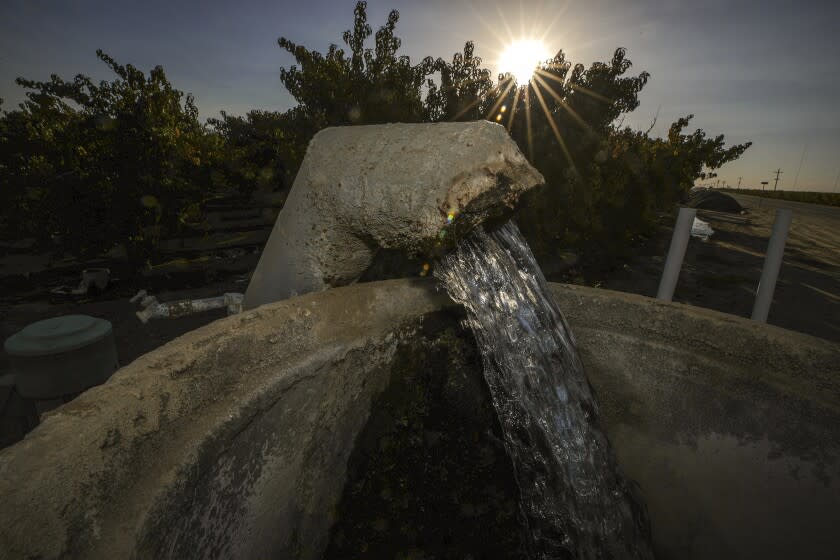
723 273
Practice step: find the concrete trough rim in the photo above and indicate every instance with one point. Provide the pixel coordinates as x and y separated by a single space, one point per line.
825 376
119 404
154 421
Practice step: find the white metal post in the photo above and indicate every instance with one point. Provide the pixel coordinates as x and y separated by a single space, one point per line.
676 252
772 264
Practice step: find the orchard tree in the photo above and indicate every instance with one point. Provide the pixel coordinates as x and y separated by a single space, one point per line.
363 86
604 185
95 164
261 150
563 121
128 161
367 85
464 92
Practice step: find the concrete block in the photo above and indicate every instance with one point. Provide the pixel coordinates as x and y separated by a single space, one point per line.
411 187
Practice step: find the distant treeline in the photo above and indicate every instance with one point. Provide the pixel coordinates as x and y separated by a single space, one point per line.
87 165
824 198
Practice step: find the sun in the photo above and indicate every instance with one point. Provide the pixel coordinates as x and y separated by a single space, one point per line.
521 58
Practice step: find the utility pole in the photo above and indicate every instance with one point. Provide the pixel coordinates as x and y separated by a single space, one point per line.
739 183
777 172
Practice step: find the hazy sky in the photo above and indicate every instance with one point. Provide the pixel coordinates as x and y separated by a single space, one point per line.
766 71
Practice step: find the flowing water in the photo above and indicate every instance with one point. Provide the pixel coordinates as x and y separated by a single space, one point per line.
574 503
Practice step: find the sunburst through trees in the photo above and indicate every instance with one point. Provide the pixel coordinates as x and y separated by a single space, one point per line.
604 183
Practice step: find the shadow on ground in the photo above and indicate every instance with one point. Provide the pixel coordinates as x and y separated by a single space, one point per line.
723 273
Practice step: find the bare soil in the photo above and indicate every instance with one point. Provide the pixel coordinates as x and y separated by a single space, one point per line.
723 273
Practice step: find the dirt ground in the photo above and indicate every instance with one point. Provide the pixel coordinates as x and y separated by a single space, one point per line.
133 338
720 274
723 273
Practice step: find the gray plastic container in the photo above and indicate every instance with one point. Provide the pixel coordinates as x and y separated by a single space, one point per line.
62 356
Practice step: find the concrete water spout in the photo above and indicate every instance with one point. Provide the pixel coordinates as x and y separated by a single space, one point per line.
410 187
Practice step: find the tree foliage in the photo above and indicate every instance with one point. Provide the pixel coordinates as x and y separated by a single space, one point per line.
94 164
363 86
464 90
604 185
261 150
128 161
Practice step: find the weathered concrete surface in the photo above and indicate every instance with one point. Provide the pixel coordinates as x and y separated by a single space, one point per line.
232 441
730 428
228 442
392 186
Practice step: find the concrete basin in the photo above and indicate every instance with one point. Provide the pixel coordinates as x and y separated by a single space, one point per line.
254 436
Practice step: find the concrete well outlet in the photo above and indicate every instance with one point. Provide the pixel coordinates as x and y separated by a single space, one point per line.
238 440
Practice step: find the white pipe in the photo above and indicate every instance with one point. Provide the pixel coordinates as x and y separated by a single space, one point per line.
676 252
155 310
772 264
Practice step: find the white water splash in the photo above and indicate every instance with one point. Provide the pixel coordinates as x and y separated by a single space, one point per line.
573 500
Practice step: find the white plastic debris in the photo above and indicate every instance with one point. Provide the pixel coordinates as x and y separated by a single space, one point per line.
702 230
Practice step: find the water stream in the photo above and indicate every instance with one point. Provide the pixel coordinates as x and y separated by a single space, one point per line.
574 502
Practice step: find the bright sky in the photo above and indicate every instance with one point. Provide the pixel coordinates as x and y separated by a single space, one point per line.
760 70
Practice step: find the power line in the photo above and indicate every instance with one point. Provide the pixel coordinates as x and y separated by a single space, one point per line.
798 169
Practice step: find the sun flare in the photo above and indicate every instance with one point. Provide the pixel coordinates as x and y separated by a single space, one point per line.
521 58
